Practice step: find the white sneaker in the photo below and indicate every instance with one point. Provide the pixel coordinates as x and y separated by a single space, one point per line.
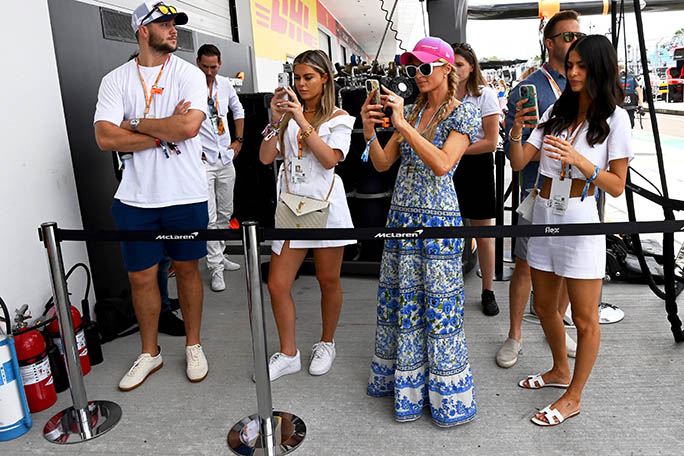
230 265
280 364
570 345
217 282
197 367
322 357
142 368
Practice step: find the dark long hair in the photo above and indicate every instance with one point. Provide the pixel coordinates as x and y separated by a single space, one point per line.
602 86
475 79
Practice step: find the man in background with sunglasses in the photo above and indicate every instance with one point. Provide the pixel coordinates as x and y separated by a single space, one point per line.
218 153
151 108
560 32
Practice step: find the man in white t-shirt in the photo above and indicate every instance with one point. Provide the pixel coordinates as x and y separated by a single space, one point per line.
151 109
218 153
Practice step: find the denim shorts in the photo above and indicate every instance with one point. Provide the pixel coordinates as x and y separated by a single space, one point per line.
140 255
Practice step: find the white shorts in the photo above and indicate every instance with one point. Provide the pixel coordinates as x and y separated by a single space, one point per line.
575 257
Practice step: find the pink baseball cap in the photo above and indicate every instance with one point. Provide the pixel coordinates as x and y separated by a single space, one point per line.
428 50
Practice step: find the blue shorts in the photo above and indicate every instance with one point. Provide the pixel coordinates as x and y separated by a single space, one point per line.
142 255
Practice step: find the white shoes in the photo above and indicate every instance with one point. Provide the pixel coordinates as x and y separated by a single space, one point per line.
322 357
197 367
280 364
217 282
507 355
142 368
230 265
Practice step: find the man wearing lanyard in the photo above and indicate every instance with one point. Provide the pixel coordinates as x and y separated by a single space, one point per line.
151 109
560 32
218 153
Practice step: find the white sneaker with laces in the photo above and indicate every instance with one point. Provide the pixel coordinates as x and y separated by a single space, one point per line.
143 367
281 364
217 282
197 367
322 357
230 265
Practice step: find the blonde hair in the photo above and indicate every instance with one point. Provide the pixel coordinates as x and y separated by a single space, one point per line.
319 61
444 110
528 72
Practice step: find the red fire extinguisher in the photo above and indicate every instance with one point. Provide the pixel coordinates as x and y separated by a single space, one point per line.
52 333
34 365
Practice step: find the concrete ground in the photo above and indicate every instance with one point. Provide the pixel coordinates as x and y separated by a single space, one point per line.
632 403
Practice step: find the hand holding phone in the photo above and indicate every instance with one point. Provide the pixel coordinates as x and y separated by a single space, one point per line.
284 82
529 92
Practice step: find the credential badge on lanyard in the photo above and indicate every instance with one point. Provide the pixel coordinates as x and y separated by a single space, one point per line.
561 185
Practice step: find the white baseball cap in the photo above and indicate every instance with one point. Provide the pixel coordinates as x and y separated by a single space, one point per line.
156 11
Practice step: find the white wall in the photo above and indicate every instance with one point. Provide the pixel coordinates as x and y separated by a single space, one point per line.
36 174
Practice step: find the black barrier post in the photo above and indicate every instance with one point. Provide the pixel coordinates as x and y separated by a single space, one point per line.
268 433
668 238
500 274
84 420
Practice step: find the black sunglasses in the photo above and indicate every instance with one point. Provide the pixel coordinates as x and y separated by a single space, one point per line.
569 37
162 8
424 68
465 46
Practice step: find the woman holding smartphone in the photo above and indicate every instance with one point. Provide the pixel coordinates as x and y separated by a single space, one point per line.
583 141
312 135
420 355
474 177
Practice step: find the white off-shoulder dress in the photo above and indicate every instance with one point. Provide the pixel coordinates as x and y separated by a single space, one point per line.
336 133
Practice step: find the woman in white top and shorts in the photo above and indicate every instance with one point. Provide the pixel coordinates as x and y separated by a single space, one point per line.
585 142
316 134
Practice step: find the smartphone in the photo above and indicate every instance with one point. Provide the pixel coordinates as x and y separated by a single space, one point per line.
373 85
529 91
284 81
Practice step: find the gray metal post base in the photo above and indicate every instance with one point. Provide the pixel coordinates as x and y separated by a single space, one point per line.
75 426
245 436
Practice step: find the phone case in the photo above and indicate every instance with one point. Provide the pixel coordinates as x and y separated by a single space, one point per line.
284 81
371 85
530 92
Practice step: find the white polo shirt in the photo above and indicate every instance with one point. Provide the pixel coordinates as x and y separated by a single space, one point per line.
149 178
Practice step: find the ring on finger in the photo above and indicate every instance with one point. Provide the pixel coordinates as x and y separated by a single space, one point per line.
390 99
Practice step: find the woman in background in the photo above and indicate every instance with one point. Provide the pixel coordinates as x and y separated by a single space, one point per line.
474 177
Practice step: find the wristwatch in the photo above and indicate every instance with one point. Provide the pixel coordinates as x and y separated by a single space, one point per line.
134 124
240 139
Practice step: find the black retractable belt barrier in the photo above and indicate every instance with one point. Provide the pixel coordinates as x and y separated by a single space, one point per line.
500 274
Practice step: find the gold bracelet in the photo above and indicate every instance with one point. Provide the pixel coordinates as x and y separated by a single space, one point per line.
515 139
307 132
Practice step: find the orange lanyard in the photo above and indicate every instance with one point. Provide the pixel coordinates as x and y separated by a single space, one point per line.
554 86
300 144
155 90
572 143
215 99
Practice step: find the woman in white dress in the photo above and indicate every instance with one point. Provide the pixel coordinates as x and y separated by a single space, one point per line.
582 142
314 135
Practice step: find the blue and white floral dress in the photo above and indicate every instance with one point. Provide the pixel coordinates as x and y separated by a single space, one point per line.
420 348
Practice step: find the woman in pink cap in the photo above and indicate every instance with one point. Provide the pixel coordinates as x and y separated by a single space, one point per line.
420 349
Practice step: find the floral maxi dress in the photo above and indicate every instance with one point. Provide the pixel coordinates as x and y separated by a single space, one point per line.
420 348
